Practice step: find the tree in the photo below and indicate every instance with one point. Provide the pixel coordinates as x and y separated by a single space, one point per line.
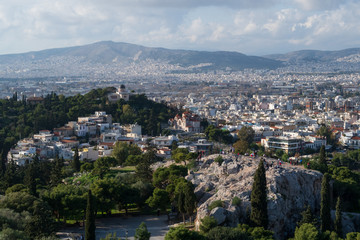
123 150
306 231
259 216
76 161
325 216
90 219
56 172
11 175
241 146
174 145
142 233
338 218
179 155
36 213
41 223
160 199
30 178
101 166
144 171
246 134
322 155
104 191
185 198
326 132
208 223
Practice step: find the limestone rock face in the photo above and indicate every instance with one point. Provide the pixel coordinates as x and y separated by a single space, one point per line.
290 188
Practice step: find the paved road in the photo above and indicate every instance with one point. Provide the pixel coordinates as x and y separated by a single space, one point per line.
156 225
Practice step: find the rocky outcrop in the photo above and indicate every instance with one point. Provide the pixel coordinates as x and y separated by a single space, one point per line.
290 188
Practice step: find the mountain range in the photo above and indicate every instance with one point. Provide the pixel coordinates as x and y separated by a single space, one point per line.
83 60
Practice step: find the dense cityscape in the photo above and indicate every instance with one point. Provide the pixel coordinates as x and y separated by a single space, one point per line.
180 120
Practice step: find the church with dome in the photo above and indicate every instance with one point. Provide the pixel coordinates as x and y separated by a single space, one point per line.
121 93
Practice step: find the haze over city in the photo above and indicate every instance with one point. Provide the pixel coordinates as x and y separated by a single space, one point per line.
251 27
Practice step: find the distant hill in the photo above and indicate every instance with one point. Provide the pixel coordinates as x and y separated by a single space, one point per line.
109 52
346 55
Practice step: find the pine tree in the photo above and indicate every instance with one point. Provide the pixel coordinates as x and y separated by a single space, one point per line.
90 219
259 215
325 216
338 218
142 233
76 161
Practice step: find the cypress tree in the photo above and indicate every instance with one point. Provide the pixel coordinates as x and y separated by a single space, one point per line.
338 218
76 161
190 199
30 178
325 216
90 219
259 215
322 159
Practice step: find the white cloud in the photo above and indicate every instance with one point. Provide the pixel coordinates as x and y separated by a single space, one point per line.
247 26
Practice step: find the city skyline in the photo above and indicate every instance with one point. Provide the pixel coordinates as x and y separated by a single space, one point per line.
250 27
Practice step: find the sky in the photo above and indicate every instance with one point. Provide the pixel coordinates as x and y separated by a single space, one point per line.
253 27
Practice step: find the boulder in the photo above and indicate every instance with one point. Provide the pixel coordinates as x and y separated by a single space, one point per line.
219 214
290 188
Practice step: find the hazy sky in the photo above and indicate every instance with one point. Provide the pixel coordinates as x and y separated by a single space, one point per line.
249 26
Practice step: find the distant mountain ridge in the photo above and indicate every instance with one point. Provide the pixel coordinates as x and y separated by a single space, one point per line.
315 56
109 59
107 52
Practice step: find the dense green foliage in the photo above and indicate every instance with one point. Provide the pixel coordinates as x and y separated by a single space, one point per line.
245 139
185 198
181 233
218 135
219 160
306 231
19 119
208 223
213 232
236 201
25 216
326 132
259 216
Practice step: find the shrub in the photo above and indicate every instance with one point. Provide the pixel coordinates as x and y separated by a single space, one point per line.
208 223
236 201
219 160
215 204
